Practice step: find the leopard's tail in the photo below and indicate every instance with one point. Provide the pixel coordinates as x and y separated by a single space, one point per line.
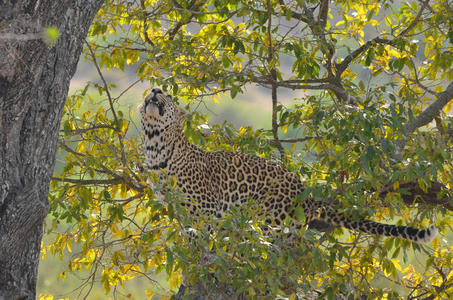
327 214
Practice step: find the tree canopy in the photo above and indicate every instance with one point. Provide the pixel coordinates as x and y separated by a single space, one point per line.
372 133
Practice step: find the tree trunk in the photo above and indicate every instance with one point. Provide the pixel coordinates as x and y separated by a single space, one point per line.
34 82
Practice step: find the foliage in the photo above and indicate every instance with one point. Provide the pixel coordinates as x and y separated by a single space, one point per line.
374 72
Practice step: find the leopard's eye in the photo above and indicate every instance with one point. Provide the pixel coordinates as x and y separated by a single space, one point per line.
170 96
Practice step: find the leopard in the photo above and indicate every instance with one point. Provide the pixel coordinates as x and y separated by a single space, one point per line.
215 181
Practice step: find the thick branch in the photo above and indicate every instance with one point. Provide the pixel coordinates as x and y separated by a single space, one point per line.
436 194
431 197
327 47
431 111
323 12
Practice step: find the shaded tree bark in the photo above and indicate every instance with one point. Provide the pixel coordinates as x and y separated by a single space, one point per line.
34 82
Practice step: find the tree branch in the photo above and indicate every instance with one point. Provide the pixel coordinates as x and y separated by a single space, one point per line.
435 195
295 84
193 6
274 85
348 59
295 15
112 108
68 149
297 140
78 131
415 20
327 48
93 58
88 181
431 111
416 80
357 52
323 11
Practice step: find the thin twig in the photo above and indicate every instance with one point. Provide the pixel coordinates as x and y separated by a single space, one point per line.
106 88
112 108
273 74
297 140
78 131
88 181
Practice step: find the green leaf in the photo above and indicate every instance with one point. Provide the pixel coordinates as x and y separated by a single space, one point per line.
234 91
170 262
51 35
299 213
369 57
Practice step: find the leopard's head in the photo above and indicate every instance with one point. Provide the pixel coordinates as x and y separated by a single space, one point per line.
160 111
161 120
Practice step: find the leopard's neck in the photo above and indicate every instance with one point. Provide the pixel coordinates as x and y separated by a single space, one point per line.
163 145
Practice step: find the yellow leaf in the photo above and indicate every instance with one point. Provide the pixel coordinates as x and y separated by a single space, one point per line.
439 89
116 232
90 255
69 245
132 60
436 244
124 125
80 146
284 129
62 275
396 264
149 294
448 107
396 185
101 111
174 280
43 253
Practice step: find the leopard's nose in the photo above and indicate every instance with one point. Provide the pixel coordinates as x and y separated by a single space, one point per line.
156 90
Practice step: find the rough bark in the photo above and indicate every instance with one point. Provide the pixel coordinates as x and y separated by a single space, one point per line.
34 82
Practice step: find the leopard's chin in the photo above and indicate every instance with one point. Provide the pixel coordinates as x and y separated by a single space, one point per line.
154 108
